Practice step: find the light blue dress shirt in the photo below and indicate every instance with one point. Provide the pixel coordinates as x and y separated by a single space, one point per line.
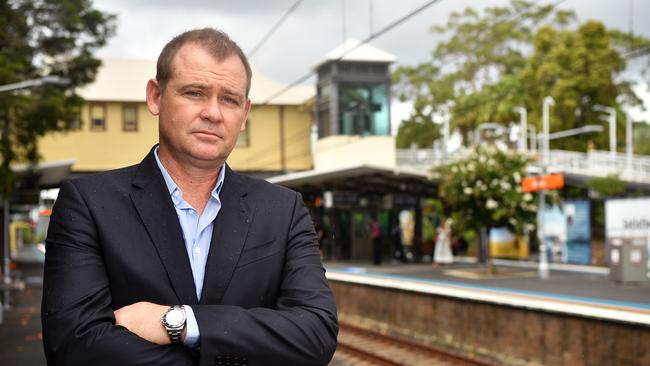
197 233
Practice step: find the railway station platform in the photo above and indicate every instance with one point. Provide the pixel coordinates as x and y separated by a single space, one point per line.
577 316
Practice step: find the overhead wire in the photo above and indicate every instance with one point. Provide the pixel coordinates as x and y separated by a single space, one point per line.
274 28
366 40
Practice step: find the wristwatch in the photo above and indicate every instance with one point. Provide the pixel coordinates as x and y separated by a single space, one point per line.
174 322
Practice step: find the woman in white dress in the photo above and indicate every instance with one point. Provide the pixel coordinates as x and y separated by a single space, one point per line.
442 253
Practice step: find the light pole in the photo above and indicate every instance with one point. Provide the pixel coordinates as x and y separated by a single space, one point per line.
533 138
629 140
611 118
6 271
523 128
543 255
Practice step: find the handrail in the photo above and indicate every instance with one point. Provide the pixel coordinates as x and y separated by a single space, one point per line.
593 163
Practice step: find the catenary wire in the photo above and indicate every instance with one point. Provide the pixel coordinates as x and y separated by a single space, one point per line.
274 28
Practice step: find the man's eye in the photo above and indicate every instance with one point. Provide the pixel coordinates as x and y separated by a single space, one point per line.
193 93
231 100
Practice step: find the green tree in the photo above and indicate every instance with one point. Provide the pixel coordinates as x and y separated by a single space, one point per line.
40 38
420 133
484 190
487 63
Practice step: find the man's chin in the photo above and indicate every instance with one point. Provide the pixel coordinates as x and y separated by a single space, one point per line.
208 157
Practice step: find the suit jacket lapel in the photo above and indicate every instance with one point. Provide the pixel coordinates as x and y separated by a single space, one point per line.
153 203
228 237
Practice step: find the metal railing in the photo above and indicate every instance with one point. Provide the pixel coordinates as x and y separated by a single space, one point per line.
593 163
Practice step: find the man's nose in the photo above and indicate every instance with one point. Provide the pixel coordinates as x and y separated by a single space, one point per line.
211 111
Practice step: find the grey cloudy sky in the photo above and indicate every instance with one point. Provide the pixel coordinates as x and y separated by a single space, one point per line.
317 26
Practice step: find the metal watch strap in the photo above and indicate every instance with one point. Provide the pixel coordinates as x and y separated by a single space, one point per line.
175 335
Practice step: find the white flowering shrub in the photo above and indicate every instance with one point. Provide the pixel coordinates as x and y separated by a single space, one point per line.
484 190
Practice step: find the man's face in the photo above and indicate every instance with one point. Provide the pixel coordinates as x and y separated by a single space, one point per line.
202 109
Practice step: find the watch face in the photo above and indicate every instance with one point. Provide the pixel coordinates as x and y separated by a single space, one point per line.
174 318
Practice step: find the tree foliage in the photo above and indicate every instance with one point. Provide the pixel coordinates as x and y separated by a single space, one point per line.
609 186
484 190
421 133
515 55
40 38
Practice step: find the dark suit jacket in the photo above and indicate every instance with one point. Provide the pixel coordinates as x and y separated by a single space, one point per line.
114 239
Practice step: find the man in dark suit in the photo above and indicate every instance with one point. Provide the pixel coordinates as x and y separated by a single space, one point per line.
178 260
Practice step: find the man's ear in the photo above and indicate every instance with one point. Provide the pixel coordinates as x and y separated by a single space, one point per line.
153 96
246 111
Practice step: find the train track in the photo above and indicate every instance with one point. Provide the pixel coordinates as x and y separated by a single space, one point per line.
358 346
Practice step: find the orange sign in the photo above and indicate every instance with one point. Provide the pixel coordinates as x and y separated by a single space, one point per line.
542 183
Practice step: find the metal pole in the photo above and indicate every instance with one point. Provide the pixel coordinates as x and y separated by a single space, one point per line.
533 140
612 132
543 252
523 127
547 103
629 141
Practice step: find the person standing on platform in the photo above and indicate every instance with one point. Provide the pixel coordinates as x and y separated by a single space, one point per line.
179 260
442 252
375 238
398 248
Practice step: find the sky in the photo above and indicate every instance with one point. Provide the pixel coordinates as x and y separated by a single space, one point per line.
318 26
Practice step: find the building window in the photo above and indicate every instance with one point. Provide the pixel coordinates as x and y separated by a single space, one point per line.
363 110
97 117
129 117
242 139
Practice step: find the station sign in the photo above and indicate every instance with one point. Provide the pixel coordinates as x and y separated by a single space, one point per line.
542 183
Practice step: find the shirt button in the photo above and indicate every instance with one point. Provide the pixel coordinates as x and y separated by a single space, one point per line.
197 250
176 193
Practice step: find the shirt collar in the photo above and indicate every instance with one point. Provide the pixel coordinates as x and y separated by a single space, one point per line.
174 190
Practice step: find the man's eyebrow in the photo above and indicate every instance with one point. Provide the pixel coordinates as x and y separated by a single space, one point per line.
193 86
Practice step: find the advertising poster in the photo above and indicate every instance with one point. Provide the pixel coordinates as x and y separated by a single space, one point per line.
555 234
628 218
567 231
504 244
578 231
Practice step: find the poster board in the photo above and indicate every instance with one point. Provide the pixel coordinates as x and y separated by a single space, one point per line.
628 218
567 232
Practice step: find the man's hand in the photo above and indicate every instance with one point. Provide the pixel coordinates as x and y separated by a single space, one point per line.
143 319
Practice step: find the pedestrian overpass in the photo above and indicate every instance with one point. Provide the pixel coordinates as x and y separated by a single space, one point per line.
633 169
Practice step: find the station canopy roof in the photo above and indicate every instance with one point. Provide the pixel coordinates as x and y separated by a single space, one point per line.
362 179
46 174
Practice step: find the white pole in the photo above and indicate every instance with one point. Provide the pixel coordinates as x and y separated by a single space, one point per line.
523 128
543 252
548 102
612 131
629 141
533 140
